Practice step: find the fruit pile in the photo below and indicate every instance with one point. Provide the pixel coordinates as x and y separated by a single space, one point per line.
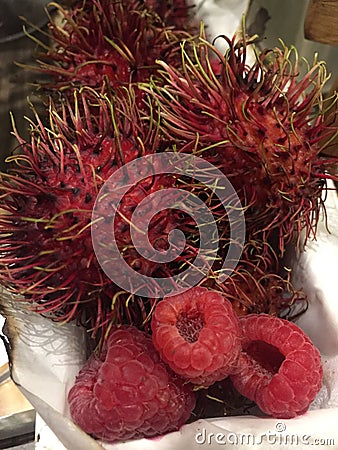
141 385
130 79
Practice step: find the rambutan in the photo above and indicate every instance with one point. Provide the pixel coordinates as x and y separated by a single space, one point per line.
260 124
261 293
259 284
47 197
116 41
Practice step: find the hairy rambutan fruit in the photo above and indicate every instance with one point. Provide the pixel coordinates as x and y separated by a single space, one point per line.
118 41
260 123
259 284
47 197
259 292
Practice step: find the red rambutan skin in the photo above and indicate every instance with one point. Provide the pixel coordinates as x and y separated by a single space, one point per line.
127 392
196 333
279 368
47 197
260 124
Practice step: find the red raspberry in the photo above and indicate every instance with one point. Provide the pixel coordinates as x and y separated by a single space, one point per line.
279 367
197 335
128 392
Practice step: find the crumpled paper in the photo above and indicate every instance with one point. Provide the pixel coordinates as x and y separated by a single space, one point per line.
47 356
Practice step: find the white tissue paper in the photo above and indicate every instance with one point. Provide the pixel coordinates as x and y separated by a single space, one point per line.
46 356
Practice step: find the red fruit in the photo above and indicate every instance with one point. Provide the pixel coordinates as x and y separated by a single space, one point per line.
118 41
260 123
127 392
197 334
258 292
279 367
255 286
47 198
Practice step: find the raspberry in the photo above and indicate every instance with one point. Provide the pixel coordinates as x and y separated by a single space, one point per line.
197 335
279 367
127 392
